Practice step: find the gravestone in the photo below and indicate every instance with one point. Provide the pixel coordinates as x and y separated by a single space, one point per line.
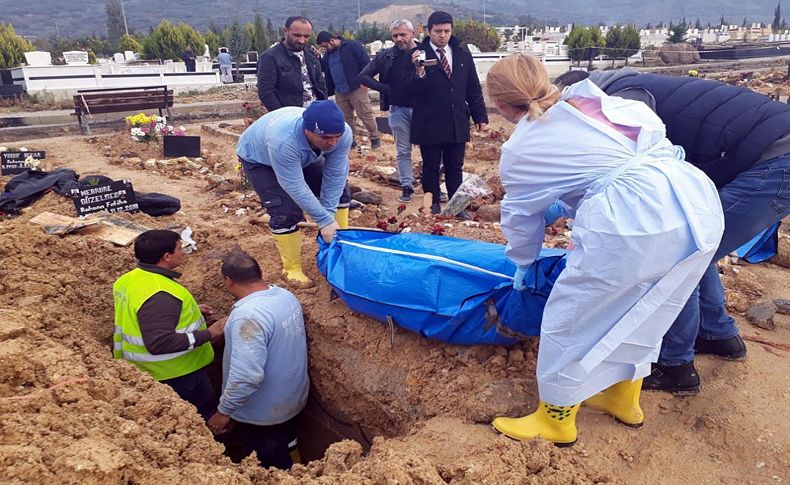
98 193
12 163
38 58
75 58
119 58
252 56
129 55
181 146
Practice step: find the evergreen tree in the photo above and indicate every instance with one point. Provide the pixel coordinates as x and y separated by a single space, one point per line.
12 47
273 34
697 24
677 33
262 41
115 27
777 23
237 43
213 41
129 43
165 42
472 31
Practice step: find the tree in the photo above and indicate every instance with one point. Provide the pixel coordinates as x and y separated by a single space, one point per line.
273 34
697 24
262 41
631 41
12 47
677 33
472 31
776 25
249 35
191 37
115 25
330 28
129 43
367 34
745 22
579 39
165 42
237 43
722 21
213 41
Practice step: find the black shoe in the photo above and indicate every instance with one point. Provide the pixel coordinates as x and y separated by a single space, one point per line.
436 208
406 193
375 144
681 380
731 348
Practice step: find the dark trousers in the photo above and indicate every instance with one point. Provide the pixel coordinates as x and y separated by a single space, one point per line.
270 443
196 389
452 155
283 212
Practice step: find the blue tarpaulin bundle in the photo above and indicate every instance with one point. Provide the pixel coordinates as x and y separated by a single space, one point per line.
453 290
763 246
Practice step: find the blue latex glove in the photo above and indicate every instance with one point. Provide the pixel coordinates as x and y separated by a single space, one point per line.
554 212
518 279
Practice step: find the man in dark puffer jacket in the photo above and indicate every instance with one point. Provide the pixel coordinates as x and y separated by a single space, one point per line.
741 140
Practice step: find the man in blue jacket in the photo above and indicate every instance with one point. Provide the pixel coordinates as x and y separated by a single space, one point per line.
342 64
264 365
741 140
297 161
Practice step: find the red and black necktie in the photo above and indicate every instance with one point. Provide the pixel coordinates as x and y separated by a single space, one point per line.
443 61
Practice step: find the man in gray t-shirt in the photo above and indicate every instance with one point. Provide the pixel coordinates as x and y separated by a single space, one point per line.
264 366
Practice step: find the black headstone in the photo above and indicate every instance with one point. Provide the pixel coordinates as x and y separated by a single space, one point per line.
182 146
12 163
96 194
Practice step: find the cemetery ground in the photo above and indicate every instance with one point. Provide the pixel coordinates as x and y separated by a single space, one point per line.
418 410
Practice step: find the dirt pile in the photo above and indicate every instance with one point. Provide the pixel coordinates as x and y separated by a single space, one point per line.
772 82
422 406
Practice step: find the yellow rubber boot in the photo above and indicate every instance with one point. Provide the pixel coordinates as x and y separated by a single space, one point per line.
621 400
552 423
290 247
341 217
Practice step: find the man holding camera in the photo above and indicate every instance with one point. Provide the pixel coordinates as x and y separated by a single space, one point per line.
447 90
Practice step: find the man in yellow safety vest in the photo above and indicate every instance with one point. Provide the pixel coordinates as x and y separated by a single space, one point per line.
159 326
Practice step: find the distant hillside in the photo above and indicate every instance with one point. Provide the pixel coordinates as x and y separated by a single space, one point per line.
81 17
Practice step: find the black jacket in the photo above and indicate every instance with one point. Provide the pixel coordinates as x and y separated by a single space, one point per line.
442 106
724 129
280 77
382 65
353 57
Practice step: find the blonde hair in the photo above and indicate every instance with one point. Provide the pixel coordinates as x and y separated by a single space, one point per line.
521 81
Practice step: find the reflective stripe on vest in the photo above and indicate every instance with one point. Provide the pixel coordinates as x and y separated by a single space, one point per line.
131 291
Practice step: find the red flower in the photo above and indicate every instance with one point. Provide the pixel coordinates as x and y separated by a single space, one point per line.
392 220
401 208
382 225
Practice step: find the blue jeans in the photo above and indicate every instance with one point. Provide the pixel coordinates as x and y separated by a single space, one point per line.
400 122
753 201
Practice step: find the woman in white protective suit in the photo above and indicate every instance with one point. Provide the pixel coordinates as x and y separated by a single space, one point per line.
646 226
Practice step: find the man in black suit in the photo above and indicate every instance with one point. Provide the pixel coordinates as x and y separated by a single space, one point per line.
447 91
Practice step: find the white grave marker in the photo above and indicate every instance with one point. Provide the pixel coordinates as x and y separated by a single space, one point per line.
38 58
75 58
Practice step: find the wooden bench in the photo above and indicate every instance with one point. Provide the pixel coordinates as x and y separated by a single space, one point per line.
88 102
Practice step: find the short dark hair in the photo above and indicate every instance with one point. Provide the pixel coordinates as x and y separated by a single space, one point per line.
151 246
324 36
570 77
240 267
296 18
439 17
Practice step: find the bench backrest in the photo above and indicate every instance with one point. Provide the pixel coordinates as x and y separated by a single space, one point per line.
115 100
